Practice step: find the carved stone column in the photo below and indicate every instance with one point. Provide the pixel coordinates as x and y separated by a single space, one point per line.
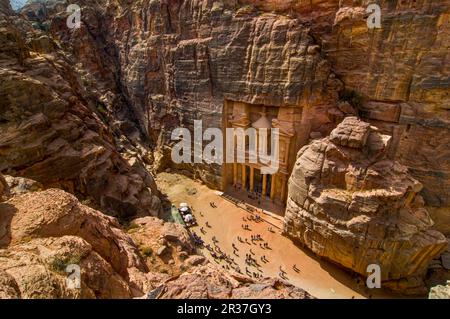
264 185
272 187
252 175
244 176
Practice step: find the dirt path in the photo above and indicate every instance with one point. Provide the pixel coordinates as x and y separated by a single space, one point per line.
320 278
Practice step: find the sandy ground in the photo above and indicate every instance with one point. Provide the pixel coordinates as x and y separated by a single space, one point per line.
320 278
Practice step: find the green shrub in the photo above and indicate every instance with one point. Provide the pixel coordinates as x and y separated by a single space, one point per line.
352 97
60 264
131 227
146 251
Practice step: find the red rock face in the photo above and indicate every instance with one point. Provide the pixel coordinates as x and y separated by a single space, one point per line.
53 130
162 64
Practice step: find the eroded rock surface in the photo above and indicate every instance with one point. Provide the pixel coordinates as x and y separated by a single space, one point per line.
41 233
21 185
165 246
440 292
350 204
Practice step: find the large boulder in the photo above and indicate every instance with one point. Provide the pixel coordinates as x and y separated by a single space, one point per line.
21 185
54 213
350 204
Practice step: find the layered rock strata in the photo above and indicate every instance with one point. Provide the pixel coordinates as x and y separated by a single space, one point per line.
54 131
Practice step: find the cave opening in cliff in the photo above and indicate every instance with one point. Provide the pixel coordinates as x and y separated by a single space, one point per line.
246 181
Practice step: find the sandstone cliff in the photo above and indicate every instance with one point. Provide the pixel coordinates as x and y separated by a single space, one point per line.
54 131
162 64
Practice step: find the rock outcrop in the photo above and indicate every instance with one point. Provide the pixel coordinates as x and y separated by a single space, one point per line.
21 185
166 246
161 64
41 233
177 61
350 204
399 77
84 109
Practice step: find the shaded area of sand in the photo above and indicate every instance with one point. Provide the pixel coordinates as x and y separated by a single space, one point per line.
320 278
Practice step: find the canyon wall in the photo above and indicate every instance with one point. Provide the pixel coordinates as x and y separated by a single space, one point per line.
176 61
162 64
55 130
151 66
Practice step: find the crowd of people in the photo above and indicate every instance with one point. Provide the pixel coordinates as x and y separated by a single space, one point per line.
198 241
253 264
